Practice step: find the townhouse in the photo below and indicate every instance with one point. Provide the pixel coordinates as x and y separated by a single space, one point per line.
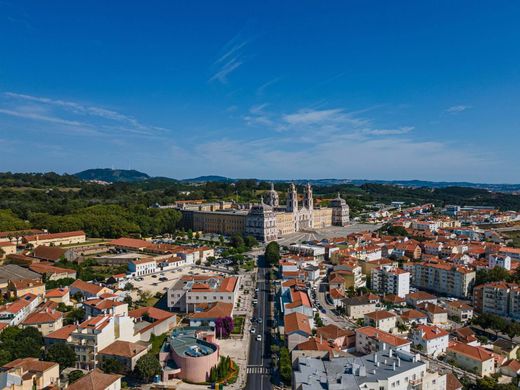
45 320
436 314
460 310
297 329
29 373
370 339
87 290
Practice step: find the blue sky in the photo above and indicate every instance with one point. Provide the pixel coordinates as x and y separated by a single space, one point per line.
266 89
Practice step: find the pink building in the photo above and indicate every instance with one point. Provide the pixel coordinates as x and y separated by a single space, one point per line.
189 353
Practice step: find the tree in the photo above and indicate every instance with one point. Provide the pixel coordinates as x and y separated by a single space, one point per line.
223 326
237 242
147 367
251 242
285 366
75 315
75 375
128 286
272 253
61 353
112 366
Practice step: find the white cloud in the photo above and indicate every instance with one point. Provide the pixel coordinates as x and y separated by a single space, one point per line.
78 116
398 131
457 109
229 61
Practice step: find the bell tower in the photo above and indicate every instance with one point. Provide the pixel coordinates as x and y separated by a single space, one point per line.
292 199
308 202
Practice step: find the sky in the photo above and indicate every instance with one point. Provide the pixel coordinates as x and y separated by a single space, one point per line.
266 89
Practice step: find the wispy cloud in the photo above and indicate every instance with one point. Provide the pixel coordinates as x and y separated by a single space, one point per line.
457 109
260 91
229 60
398 131
74 114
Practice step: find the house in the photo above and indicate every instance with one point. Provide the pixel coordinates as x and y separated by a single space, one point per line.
511 368
412 316
357 307
452 383
150 320
209 315
417 298
124 352
470 358
23 287
343 339
60 336
459 310
97 306
337 297
506 348
297 329
97 380
382 319
87 290
432 340
29 373
131 244
6 249
370 339
59 295
46 321
14 313
52 272
316 347
466 336
393 300
436 314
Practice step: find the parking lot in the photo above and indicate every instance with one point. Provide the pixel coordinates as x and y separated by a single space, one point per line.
152 283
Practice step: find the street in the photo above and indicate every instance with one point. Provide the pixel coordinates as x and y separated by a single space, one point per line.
259 362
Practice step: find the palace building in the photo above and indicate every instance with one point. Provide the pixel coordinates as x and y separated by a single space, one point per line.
268 220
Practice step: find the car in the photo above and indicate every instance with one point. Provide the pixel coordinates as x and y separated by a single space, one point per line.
323 310
314 310
163 279
259 320
259 337
154 276
255 301
253 330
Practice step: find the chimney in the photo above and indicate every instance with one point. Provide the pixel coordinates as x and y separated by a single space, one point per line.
398 361
393 366
390 352
375 357
384 346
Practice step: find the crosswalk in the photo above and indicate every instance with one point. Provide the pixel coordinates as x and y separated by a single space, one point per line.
258 370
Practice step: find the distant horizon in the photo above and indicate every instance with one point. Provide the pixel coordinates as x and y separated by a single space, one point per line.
371 89
269 178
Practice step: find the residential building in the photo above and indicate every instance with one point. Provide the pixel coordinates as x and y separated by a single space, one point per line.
14 313
124 352
209 316
499 260
97 380
357 307
432 339
445 278
97 306
46 321
459 310
418 298
343 339
29 373
382 319
195 291
412 316
498 298
19 288
436 314
87 290
297 329
58 295
471 358
370 339
391 280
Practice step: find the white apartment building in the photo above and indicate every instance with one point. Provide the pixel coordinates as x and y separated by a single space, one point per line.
503 261
391 280
97 333
432 339
442 277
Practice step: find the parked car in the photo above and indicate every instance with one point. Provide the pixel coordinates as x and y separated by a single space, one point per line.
259 337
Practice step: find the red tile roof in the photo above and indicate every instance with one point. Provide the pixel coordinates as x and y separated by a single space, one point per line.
42 317
85 286
297 322
380 315
63 333
431 332
382 336
475 353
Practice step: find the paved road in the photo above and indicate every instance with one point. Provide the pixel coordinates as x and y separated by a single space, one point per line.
337 320
259 363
